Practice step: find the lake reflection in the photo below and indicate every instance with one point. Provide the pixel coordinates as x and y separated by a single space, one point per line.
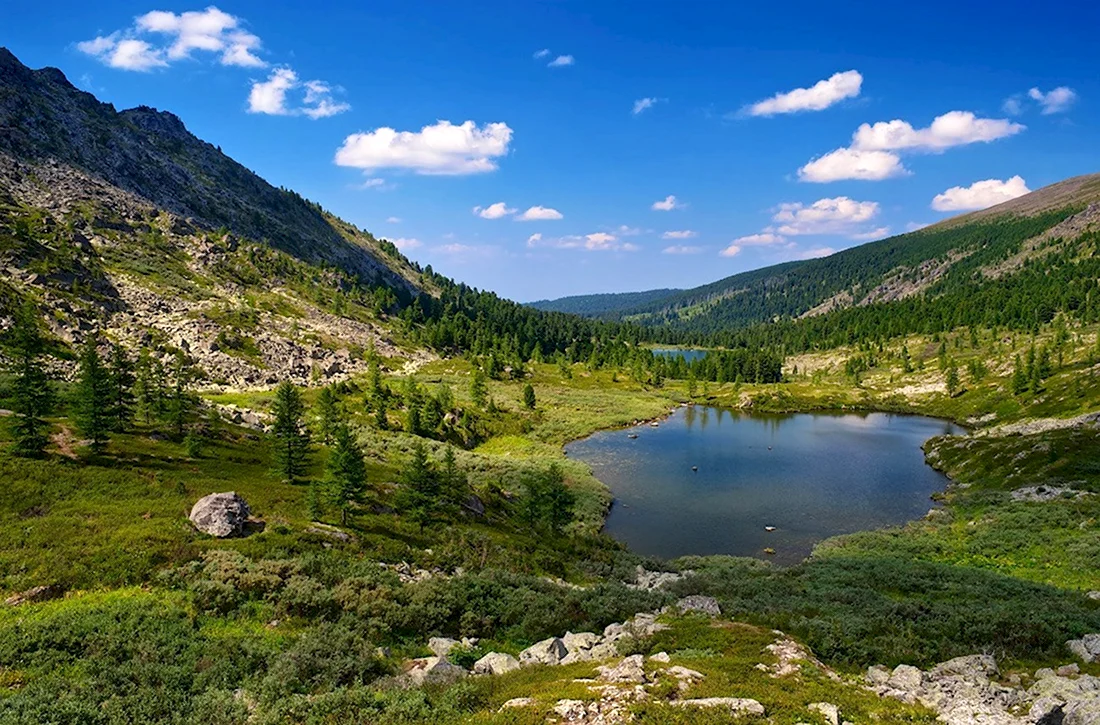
811 476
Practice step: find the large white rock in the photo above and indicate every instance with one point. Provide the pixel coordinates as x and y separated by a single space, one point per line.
442 646
427 670
1087 648
220 514
496 663
735 705
630 670
547 652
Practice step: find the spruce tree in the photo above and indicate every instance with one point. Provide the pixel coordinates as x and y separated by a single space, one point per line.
1019 377
529 396
454 490
291 445
32 395
419 495
314 506
182 402
478 389
92 401
328 414
149 387
951 379
121 373
346 472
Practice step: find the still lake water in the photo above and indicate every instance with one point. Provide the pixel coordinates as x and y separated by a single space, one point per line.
811 476
687 353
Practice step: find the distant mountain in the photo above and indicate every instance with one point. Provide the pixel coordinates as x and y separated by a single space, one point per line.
602 305
971 251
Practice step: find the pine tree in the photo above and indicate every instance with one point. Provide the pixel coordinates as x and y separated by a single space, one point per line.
149 386
547 503
693 384
419 495
92 402
951 379
181 403
345 472
478 389
32 395
314 505
1019 378
291 445
453 485
328 414
529 396
120 370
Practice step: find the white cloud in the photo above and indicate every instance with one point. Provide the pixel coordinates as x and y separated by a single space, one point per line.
456 249
681 249
980 194
914 226
270 96
209 30
374 183
683 234
731 251
954 128
873 154
625 231
539 213
442 148
1013 106
816 253
539 54
848 163
594 242
1058 100
643 103
494 211
758 240
825 216
393 220
667 204
561 61
407 244
871 235
816 98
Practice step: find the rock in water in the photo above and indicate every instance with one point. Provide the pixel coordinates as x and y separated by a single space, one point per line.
220 514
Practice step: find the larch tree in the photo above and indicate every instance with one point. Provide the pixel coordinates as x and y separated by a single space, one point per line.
32 395
291 446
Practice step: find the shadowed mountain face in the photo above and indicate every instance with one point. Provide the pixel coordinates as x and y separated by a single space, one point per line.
45 120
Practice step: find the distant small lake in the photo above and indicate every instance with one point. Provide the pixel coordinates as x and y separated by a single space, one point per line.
688 354
811 476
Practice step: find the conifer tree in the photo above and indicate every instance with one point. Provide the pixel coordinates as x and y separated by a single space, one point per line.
149 386
478 389
181 403
291 446
529 396
453 485
92 401
328 414
951 379
419 495
120 370
346 472
32 395
314 505
1019 377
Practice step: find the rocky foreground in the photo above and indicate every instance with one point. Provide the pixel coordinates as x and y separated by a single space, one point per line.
966 690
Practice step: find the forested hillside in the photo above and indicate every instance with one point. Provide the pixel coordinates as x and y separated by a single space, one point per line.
603 305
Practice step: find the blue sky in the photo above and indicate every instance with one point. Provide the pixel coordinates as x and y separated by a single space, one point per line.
500 143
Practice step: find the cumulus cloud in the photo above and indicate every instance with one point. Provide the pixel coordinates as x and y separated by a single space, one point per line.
539 213
594 242
442 148
914 226
393 220
731 251
1058 100
1013 105
955 128
681 249
644 103
846 163
840 215
759 240
873 153
494 211
625 231
871 235
818 97
682 234
561 61
667 204
311 98
210 31
540 54
980 194
407 244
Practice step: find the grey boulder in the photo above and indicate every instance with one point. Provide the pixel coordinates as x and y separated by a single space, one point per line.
547 652
496 663
220 514
433 670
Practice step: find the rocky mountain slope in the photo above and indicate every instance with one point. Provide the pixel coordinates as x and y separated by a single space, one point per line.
126 222
973 248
